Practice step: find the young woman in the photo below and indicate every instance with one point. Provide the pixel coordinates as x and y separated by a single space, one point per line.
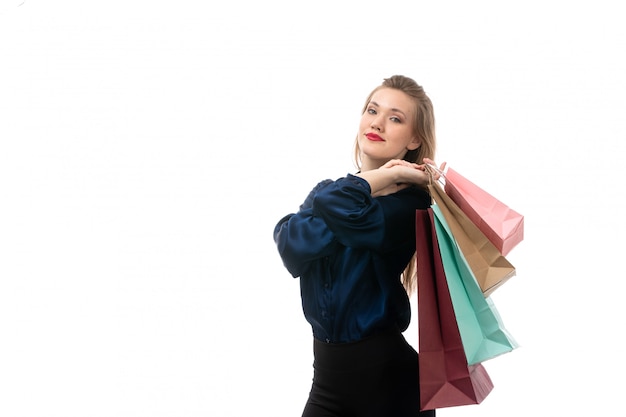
352 244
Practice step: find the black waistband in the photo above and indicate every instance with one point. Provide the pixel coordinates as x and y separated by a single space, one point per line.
371 350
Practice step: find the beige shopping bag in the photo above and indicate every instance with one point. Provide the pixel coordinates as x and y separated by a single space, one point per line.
489 266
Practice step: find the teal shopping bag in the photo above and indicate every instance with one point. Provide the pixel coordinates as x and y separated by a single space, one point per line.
482 330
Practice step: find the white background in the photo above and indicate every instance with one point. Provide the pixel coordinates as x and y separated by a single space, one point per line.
147 149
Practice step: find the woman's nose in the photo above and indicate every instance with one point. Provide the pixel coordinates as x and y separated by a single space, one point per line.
376 124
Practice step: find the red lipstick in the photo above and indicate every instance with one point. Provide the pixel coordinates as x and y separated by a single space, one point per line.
374 137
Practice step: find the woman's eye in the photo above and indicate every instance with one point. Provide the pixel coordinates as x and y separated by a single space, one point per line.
396 120
371 111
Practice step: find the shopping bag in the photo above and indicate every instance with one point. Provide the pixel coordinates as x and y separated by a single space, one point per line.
502 225
446 379
482 331
490 268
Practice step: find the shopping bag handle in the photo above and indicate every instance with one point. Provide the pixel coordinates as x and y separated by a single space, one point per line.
432 170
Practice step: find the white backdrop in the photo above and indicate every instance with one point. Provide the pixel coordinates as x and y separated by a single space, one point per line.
147 148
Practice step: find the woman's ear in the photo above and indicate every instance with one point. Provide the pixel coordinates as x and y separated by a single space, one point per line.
414 144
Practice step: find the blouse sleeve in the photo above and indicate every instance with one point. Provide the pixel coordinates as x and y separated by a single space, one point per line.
343 212
303 237
361 221
350 211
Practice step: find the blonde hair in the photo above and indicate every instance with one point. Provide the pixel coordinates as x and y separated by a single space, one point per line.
424 129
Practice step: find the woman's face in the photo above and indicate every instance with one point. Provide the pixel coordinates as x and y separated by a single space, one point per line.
386 128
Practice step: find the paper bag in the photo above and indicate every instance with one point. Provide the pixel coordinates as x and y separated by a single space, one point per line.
446 379
490 268
480 325
503 226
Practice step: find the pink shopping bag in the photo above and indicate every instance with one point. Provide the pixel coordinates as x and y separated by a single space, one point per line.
502 225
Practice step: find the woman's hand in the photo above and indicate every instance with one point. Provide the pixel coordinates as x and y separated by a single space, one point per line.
400 174
436 171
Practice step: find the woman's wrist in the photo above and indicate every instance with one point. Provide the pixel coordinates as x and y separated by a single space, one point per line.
381 178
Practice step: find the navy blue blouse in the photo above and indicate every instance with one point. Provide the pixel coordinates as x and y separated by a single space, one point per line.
349 249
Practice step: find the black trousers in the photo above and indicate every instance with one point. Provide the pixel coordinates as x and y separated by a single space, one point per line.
374 377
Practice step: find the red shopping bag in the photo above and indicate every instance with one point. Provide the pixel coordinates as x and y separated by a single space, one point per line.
446 379
502 225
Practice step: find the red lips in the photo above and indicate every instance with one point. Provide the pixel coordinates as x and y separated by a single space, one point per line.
374 137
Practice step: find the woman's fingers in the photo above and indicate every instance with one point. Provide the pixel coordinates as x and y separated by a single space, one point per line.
429 161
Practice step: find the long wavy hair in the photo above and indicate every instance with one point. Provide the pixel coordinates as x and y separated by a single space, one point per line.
424 129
